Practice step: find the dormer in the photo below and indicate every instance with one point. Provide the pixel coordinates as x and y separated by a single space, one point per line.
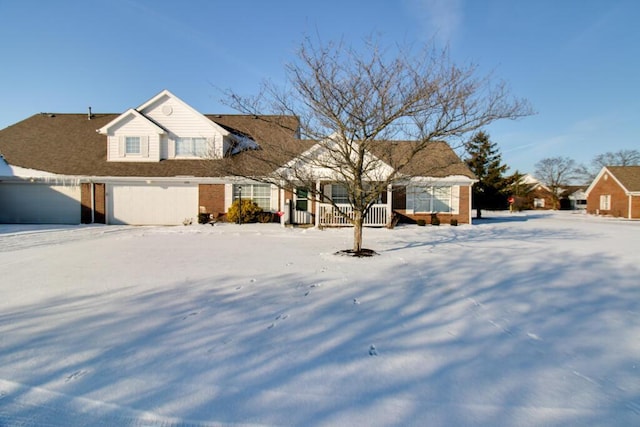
165 127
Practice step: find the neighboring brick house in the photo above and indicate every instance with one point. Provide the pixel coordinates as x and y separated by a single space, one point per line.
615 191
532 194
164 162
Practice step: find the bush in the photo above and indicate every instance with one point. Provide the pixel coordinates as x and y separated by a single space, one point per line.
454 222
250 211
204 218
435 220
421 222
265 217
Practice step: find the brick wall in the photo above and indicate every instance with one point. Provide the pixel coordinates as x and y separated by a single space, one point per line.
463 215
211 198
635 207
619 200
100 209
92 210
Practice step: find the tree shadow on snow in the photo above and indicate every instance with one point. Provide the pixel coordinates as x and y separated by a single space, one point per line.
536 337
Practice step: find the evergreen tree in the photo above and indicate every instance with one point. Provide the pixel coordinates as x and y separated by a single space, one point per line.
485 161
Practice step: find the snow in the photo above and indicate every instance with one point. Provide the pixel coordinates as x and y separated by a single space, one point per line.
520 320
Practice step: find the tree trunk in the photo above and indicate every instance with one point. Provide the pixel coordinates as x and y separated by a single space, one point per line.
357 230
478 213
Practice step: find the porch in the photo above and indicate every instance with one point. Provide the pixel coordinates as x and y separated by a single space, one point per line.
329 216
332 216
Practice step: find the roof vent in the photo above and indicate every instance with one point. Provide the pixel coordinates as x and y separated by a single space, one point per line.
89 115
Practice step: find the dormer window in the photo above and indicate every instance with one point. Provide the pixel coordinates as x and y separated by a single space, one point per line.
132 145
191 147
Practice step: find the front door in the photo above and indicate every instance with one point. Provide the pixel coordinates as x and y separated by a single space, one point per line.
301 209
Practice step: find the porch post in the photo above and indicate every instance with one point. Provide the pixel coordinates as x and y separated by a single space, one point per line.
389 204
281 205
318 199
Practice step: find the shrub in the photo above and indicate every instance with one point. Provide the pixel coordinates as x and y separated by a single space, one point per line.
421 222
249 213
204 218
265 217
435 220
454 222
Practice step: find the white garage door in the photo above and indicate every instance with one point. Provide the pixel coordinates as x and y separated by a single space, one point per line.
30 203
147 204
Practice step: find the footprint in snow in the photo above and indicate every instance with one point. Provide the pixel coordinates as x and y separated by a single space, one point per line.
356 301
278 317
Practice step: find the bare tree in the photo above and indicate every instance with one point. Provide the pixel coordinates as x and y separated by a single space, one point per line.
352 103
617 158
555 173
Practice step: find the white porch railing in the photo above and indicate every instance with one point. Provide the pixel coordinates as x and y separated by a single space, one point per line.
329 215
301 217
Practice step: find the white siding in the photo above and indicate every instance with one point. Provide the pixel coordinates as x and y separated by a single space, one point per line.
181 121
228 196
275 192
134 126
27 203
455 199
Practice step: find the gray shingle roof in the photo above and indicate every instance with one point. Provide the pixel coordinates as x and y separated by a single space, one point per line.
629 176
68 144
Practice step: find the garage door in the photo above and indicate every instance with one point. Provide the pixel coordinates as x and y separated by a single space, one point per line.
28 203
146 204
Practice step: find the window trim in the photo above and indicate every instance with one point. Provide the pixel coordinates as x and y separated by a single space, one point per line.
249 193
302 199
130 139
344 198
417 191
192 142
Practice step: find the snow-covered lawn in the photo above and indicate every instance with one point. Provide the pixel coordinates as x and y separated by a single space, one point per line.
521 320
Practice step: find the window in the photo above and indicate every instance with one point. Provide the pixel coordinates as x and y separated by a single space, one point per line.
260 194
132 145
605 202
431 199
302 199
191 147
538 203
339 194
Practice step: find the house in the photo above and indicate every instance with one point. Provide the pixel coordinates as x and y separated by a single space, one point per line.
165 163
532 194
615 191
573 197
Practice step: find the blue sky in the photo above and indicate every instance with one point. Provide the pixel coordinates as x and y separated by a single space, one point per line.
577 62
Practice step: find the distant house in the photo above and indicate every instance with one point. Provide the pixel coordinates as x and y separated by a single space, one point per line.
165 163
532 194
573 197
615 191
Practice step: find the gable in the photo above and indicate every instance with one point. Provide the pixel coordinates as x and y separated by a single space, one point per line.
614 173
131 121
317 162
179 118
627 176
